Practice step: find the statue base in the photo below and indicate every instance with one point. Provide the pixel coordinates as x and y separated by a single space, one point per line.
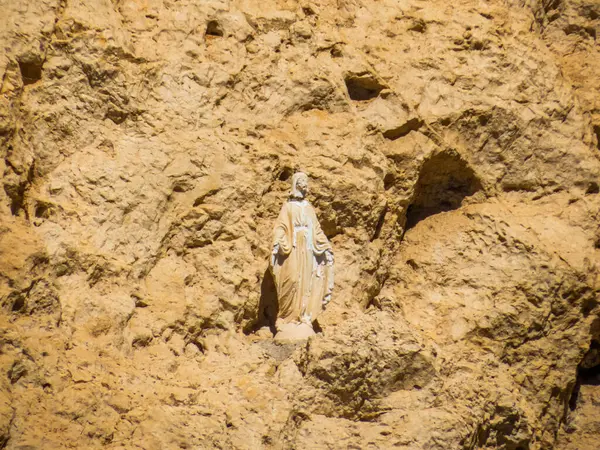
291 332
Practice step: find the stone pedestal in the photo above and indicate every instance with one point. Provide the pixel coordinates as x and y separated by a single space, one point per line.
293 332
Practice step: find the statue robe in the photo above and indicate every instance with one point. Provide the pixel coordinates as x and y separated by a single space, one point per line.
300 270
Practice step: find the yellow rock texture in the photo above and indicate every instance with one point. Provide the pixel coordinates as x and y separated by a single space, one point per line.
146 147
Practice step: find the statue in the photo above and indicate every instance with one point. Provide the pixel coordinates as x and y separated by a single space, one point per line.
301 264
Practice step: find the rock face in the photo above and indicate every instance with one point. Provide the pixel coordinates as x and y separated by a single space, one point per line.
146 147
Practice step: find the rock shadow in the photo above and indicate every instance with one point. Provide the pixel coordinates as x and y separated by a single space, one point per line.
268 306
444 181
30 66
363 86
214 28
588 372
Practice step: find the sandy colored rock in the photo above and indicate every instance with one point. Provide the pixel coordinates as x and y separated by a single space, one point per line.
147 147
291 332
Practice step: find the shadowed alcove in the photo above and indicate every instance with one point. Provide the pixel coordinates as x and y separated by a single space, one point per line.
214 28
31 68
363 86
588 372
445 179
268 306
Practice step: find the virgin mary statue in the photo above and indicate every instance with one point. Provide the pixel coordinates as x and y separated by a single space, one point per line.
302 259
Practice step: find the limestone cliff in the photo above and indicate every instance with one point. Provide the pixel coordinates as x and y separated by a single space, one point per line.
146 147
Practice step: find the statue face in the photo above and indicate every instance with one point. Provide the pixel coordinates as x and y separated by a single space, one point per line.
302 185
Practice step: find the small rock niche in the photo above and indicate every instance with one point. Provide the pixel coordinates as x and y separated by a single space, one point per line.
588 372
214 28
30 67
363 86
445 180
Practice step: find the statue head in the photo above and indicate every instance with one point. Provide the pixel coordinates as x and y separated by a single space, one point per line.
299 185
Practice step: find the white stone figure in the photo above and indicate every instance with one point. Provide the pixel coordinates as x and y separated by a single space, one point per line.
301 263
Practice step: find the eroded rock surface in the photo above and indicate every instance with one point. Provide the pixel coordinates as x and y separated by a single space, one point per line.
146 148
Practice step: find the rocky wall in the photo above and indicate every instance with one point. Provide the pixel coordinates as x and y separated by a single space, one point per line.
146 147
